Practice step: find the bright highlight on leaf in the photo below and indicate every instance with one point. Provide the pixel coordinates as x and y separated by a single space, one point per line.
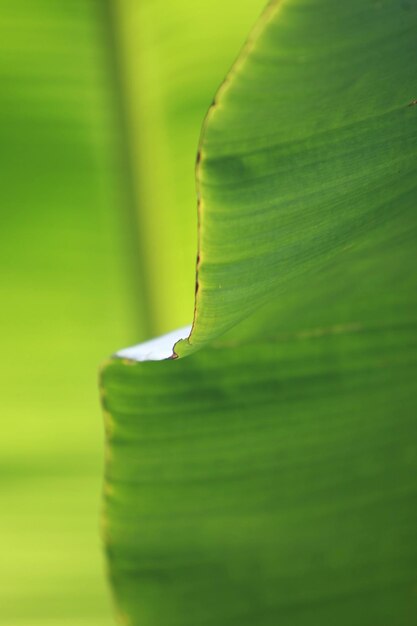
271 477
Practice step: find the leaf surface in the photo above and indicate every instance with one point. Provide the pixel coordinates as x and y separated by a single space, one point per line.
271 477
309 148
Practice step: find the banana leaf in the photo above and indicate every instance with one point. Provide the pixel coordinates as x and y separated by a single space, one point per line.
270 476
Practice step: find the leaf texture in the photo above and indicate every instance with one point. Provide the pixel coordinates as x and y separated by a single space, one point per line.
271 477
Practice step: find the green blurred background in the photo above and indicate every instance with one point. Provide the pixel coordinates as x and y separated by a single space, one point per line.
101 105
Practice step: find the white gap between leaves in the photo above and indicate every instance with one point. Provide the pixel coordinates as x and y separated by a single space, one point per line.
156 349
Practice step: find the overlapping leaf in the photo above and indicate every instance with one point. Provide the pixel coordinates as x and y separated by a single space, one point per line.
271 477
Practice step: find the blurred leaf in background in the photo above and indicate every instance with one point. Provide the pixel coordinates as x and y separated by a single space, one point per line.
87 88
65 298
170 59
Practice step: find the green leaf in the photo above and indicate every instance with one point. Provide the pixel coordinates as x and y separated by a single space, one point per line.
171 56
65 298
310 146
271 477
